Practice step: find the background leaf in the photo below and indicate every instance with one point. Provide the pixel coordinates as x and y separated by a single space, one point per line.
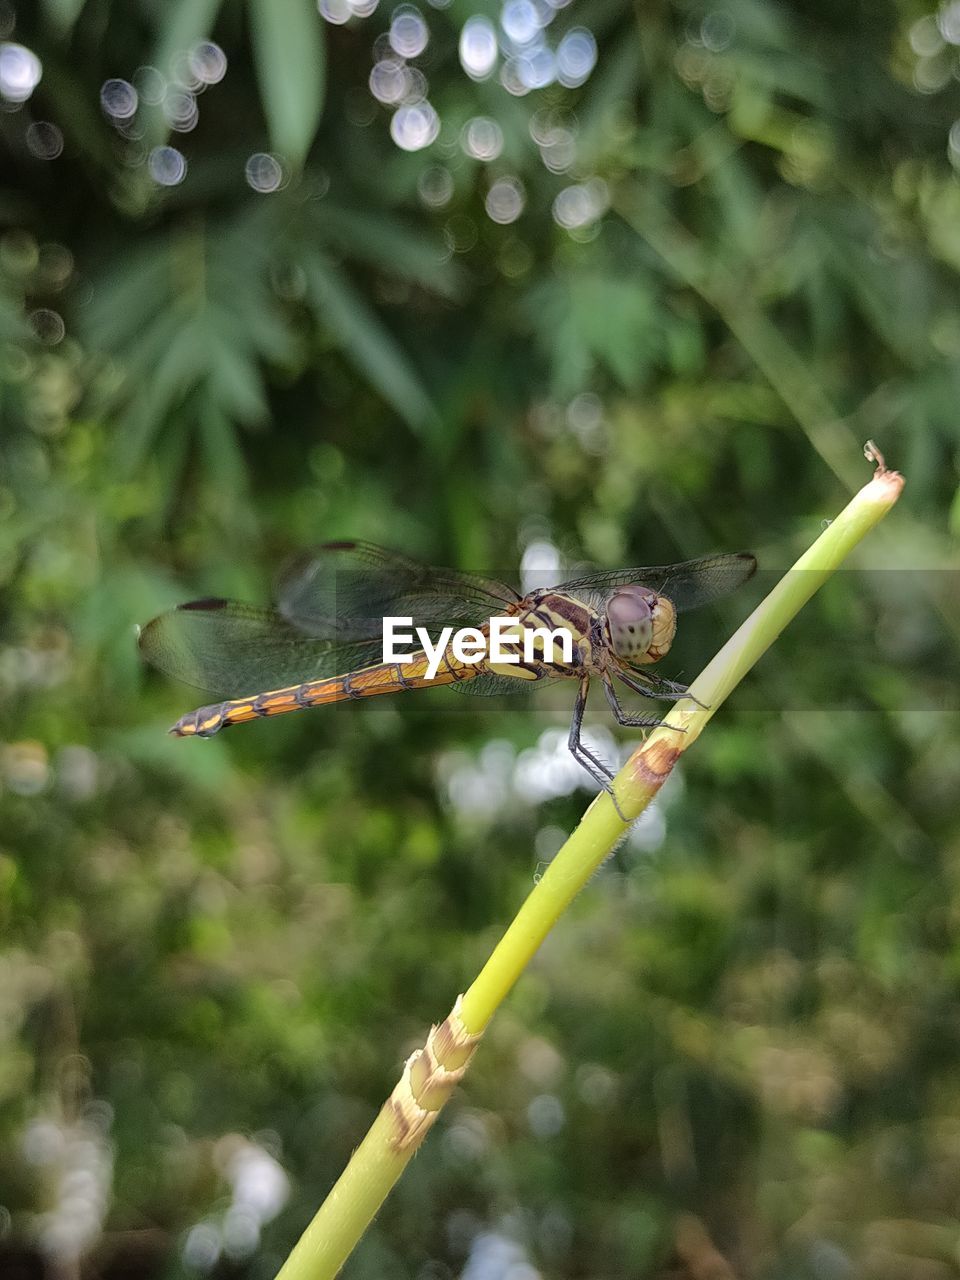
288 47
353 324
181 24
739 1054
62 14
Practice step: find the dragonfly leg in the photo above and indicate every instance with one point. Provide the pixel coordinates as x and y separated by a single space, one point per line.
584 756
649 685
673 690
643 683
624 717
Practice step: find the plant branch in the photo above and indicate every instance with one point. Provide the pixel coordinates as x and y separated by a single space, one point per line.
431 1074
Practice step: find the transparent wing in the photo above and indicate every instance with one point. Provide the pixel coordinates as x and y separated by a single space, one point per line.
328 620
688 585
343 590
490 685
235 649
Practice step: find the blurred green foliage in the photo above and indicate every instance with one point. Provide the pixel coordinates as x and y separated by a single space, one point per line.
743 1042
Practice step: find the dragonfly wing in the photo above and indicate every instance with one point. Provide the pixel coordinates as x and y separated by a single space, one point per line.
343 590
490 685
235 649
688 585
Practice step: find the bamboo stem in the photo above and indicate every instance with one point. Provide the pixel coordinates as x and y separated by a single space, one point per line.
432 1073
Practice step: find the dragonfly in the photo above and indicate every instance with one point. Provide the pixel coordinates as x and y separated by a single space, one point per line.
322 641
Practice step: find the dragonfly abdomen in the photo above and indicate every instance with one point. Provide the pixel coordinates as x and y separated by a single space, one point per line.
368 682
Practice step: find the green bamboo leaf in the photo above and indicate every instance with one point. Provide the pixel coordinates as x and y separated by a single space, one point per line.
62 14
387 243
954 517
13 321
184 23
235 385
367 341
288 50
221 448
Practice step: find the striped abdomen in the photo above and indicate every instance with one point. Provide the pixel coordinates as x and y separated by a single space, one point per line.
368 682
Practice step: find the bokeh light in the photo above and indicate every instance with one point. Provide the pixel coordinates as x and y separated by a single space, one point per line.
953 144
150 84
435 186
259 1190
182 74
167 166
409 34
520 21
208 62
389 79
44 140
202 1247
336 12
460 232
925 37
118 99
948 22
717 30
478 47
558 147
545 1115
264 172
537 68
180 111
25 767
505 201
540 565
48 326
579 205
576 57
512 80
416 86
20 72
54 265
482 138
76 1162
415 127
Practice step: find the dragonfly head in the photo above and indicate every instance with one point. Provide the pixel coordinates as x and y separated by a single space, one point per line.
640 625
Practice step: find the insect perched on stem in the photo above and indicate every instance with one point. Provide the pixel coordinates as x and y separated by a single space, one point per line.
323 642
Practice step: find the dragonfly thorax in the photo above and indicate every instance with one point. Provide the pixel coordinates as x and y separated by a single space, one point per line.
640 625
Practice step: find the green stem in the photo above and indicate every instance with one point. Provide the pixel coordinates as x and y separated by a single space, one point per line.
432 1072
647 769
350 1207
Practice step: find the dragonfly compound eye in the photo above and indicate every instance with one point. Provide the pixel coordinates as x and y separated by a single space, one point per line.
641 624
630 622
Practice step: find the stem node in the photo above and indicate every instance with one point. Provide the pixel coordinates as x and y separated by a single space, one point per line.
429 1077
